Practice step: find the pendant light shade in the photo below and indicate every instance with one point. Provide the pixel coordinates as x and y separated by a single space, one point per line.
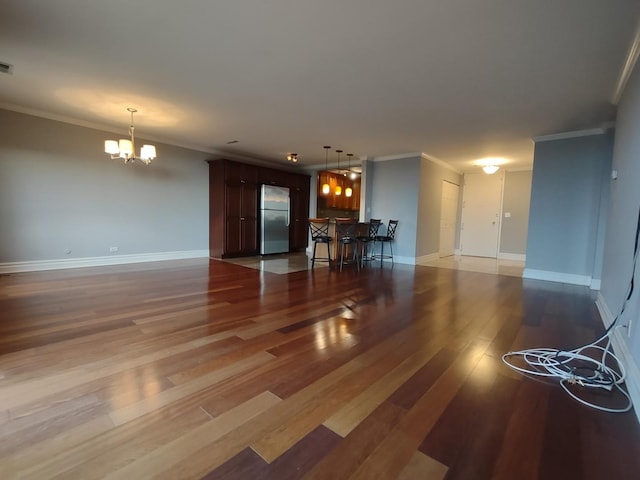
338 187
325 187
348 192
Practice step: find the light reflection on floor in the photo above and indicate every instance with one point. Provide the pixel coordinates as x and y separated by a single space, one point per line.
295 262
512 268
279 263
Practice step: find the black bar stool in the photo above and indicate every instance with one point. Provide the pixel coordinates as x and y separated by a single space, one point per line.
366 255
319 228
388 238
346 232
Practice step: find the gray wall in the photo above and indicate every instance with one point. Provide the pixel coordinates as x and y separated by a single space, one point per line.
409 190
515 200
566 196
59 190
624 202
394 195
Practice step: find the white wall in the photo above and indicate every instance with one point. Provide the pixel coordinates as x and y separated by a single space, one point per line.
515 201
432 175
59 191
624 203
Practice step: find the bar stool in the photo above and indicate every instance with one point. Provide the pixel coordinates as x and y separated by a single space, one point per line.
319 229
346 232
388 238
365 240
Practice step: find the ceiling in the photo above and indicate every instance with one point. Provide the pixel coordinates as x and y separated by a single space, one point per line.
456 80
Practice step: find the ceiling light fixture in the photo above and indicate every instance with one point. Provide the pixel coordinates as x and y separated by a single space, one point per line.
292 157
125 148
338 187
349 191
490 169
326 188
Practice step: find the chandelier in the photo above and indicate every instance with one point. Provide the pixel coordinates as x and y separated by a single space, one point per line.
125 148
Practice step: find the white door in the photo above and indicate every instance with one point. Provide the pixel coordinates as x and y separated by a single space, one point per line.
481 212
448 217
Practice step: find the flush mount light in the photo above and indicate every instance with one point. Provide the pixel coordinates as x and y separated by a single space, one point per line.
125 148
491 165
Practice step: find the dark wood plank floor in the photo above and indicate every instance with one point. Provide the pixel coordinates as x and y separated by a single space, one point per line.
203 369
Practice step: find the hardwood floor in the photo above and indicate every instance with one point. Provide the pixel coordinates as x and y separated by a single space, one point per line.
206 369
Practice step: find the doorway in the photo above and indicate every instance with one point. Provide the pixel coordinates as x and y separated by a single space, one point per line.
481 214
448 218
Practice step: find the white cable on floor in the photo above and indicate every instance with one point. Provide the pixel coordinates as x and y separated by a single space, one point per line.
575 367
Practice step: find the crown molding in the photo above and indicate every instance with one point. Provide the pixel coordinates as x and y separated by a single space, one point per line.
442 163
424 156
565 135
398 156
100 126
627 69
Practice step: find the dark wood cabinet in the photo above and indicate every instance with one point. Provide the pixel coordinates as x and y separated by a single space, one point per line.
341 202
234 190
271 176
298 230
233 209
241 229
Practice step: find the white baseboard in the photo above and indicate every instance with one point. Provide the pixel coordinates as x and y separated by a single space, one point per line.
557 277
403 260
621 349
518 257
432 257
457 251
39 265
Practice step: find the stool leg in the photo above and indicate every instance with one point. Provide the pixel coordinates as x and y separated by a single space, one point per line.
381 253
313 258
355 256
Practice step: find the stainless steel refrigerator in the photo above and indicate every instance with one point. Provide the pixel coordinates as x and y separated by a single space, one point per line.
274 220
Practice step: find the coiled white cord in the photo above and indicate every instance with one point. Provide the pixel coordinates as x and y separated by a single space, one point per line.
575 367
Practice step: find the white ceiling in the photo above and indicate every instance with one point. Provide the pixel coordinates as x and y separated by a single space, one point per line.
454 79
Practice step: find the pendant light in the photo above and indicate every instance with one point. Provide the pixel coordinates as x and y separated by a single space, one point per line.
325 187
338 187
349 191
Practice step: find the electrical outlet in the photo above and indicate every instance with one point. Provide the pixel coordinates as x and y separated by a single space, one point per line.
113 249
